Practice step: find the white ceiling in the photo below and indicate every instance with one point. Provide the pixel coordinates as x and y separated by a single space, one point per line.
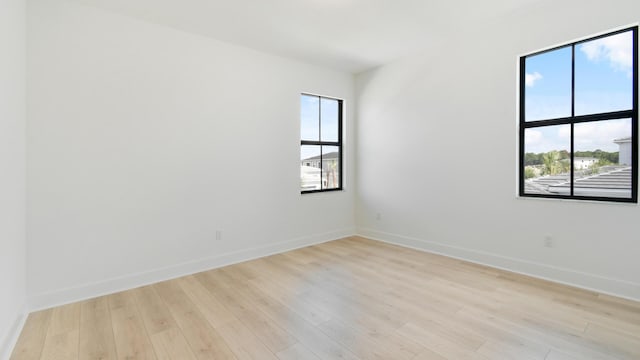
349 35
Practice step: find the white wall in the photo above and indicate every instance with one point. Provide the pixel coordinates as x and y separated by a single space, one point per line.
143 141
421 120
12 171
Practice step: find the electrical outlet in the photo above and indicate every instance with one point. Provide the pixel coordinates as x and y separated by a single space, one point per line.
548 241
378 216
218 235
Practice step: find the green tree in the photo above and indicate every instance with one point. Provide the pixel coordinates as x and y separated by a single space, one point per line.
529 172
564 154
532 159
551 162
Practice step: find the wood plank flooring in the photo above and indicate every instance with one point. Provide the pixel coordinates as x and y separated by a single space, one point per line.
348 299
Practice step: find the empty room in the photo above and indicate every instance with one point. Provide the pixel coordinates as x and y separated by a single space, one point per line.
319 179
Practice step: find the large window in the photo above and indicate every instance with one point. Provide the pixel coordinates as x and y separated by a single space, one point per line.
320 143
579 120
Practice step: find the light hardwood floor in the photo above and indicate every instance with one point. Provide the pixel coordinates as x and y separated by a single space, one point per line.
348 299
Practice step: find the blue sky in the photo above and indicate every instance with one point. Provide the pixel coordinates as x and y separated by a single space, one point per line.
603 83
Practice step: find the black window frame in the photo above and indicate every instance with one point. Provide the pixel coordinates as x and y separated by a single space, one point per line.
577 119
321 143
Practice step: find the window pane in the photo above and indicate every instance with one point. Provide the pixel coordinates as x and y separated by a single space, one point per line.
310 118
547 167
548 85
330 167
602 162
310 168
604 74
329 119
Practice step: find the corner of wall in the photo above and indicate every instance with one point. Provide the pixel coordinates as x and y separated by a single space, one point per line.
9 342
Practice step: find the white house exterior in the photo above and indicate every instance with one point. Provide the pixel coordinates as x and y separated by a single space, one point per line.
625 150
581 163
316 176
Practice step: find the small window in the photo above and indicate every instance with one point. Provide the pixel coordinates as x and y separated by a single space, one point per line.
320 143
579 120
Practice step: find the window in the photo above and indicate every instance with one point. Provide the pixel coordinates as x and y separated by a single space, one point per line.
320 143
579 120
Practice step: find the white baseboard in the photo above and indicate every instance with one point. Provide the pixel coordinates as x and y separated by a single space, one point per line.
9 342
110 286
616 287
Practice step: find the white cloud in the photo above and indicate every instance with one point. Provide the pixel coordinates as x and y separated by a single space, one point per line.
588 136
532 137
600 135
531 79
564 133
616 49
544 139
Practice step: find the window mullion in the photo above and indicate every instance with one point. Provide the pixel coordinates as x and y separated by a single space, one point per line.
322 187
319 118
572 162
320 138
573 114
634 119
